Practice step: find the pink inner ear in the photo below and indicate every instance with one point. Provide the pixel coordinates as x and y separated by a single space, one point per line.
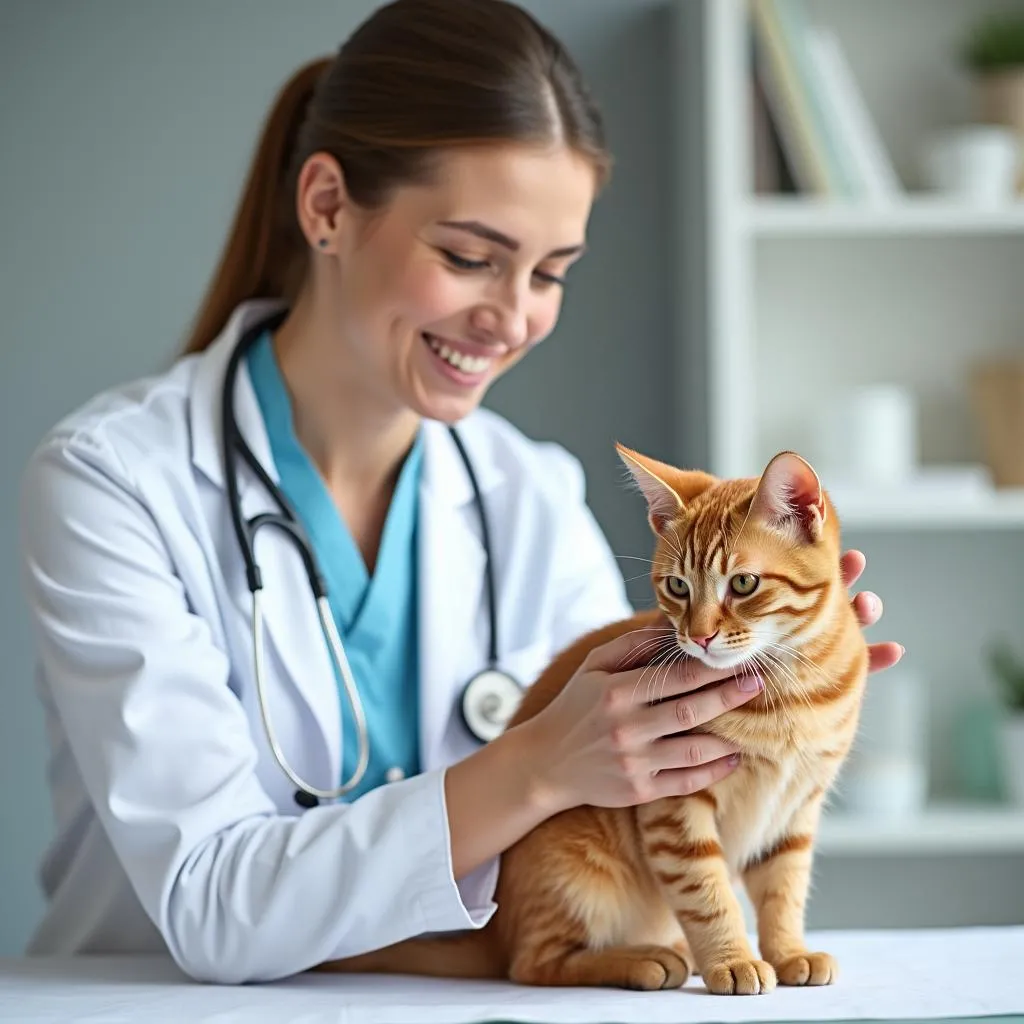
789 490
663 503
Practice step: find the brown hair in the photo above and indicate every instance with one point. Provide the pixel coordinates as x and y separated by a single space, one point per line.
417 76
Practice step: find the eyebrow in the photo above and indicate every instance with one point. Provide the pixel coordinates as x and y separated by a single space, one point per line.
474 227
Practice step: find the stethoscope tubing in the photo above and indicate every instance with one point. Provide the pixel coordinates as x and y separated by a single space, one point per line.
288 521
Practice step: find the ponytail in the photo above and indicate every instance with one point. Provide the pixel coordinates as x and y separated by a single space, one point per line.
263 252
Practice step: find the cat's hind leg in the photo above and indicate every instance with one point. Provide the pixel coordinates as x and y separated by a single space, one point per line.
645 968
597 929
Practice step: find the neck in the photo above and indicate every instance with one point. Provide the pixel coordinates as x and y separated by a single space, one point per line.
354 435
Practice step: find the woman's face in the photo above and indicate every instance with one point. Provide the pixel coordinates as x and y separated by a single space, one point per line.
453 282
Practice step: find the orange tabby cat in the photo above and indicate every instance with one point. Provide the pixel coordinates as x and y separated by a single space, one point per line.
747 571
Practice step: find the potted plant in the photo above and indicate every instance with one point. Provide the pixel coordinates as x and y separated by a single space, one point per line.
994 53
1009 673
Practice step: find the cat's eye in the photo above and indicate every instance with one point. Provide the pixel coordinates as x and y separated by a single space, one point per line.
744 583
677 586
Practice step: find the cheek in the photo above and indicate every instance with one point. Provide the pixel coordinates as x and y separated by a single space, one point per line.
431 294
544 317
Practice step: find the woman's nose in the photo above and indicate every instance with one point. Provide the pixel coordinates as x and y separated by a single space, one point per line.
506 320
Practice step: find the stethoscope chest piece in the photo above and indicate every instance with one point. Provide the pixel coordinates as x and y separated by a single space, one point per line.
489 700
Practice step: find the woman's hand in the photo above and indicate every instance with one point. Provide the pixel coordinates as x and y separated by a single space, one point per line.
603 742
868 608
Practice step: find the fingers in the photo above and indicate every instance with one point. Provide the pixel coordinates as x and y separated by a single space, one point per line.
684 781
851 565
683 675
693 711
689 751
636 647
883 656
868 608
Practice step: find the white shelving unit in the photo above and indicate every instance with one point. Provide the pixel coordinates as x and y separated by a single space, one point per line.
911 217
785 299
943 829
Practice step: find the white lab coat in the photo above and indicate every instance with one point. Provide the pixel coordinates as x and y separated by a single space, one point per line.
175 828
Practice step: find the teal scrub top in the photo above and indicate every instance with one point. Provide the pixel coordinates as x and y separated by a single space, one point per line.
376 616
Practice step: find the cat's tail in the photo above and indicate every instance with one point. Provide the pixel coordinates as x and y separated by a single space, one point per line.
462 955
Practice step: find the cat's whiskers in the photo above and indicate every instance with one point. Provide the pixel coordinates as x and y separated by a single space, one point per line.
796 686
674 657
768 677
805 663
665 643
663 659
793 652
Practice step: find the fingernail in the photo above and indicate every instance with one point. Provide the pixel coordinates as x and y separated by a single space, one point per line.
903 650
750 684
872 603
734 759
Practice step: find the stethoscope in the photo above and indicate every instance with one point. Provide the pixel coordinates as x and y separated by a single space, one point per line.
489 698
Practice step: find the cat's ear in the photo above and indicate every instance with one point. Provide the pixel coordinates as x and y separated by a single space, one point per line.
652 477
789 497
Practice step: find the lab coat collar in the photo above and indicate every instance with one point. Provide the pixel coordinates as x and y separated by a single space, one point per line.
453 625
207 395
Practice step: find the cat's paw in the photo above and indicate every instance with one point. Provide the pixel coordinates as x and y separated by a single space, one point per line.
655 967
808 969
739 977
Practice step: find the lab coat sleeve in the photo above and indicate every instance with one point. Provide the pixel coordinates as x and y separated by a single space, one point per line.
589 583
238 892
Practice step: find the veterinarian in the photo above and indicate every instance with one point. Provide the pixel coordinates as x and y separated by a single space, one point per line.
257 780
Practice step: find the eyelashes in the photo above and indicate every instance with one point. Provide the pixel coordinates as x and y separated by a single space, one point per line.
468 265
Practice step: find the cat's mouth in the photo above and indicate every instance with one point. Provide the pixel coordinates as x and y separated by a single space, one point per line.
718 655
720 659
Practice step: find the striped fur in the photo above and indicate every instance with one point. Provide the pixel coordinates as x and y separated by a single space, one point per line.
642 897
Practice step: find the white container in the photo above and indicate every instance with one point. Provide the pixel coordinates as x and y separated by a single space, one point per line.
1011 732
976 163
886 774
871 435
884 788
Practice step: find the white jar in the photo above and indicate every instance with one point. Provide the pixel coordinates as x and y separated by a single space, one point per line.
977 163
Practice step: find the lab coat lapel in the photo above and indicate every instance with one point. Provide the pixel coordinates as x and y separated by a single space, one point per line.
291 621
453 624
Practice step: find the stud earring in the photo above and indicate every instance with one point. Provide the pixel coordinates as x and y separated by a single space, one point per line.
322 243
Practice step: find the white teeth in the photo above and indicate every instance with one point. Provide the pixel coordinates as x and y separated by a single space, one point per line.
467 364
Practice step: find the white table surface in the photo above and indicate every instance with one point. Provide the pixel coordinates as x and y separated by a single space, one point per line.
933 974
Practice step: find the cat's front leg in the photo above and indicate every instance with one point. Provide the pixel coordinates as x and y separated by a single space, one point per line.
682 848
778 880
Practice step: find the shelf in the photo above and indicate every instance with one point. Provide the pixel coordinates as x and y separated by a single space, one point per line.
801 217
995 510
945 829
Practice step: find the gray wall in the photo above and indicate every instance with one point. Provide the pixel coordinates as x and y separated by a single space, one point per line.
126 128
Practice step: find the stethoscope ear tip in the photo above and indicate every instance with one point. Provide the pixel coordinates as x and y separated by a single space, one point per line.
305 799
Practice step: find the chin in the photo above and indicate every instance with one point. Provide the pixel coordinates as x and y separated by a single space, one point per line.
721 659
449 413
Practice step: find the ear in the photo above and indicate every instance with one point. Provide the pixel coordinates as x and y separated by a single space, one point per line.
321 201
789 497
651 476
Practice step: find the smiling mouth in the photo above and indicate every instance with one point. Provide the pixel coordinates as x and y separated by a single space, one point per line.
469 366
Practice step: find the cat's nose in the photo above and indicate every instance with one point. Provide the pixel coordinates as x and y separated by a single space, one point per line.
704 640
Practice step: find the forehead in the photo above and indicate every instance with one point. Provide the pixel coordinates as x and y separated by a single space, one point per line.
540 196
717 537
